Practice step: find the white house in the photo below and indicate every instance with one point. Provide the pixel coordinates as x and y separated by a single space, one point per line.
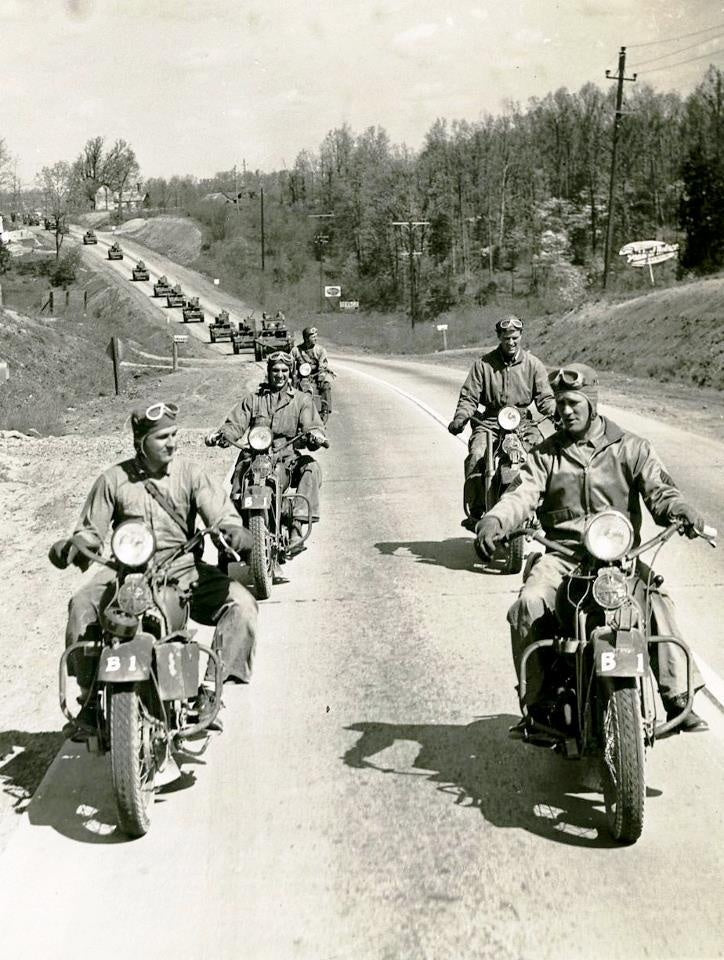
107 199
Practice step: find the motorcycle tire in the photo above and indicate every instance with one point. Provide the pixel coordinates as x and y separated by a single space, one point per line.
262 563
516 549
622 762
133 764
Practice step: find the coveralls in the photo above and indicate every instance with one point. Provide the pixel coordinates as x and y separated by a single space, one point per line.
566 481
316 357
119 494
496 382
288 412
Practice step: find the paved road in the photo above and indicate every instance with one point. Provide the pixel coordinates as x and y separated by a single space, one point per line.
364 800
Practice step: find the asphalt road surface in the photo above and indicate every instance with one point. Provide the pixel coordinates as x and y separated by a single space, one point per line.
364 800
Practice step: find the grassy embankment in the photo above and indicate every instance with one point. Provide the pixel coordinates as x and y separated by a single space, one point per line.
58 362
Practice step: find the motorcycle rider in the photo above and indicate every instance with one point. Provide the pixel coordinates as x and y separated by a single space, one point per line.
168 493
288 412
506 376
588 465
309 351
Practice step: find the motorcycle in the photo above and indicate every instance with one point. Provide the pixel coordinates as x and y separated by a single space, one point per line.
505 454
598 695
313 382
259 485
147 674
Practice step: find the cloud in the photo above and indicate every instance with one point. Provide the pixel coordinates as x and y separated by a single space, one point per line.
412 39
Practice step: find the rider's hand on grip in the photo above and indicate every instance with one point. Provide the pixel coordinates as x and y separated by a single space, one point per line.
238 538
216 439
315 440
455 427
61 553
488 532
691 520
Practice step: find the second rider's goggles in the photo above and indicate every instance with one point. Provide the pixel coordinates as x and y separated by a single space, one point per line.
157 410
567 378
280 357
510 323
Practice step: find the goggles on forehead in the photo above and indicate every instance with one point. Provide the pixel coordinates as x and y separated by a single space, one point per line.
571 379
510 323
279 357
157 410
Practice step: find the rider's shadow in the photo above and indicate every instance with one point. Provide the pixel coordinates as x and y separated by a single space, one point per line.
511 783
455 553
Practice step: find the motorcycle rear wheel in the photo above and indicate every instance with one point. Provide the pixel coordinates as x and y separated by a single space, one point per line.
133 764
262 563
622 762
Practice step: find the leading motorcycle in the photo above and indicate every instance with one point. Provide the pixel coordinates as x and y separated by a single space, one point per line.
146 669
598 697
317 383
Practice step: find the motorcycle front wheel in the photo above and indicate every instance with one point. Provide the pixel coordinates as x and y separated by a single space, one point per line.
262 562
622 762
133 763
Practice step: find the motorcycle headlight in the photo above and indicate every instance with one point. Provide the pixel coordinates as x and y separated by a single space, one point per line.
260 438
305 369
133 543
610 589
262 467
509 418
608 535
135 595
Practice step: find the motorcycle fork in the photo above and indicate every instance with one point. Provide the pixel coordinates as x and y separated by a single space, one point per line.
489 473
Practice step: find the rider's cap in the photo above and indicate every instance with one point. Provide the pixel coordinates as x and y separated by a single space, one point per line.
509 323
576 378
150 418
308 331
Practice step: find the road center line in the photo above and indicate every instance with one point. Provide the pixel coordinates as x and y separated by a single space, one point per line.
714 683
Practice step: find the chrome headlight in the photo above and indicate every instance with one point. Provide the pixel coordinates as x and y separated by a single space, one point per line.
305 369
133 543
509 418
608 535
610 589
260 438
135 594
261 466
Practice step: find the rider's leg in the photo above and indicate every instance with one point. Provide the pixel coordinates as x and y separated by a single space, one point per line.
84 611
536 602
475 470
229 607
307 478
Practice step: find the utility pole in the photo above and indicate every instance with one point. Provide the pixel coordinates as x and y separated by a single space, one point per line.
620 77
411 253
262 229
321 240
236 192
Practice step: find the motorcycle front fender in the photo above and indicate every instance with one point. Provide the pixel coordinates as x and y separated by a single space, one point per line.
127 662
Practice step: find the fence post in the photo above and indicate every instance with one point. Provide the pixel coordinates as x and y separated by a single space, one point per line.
50 300
174 356
85 301
116 357
67 297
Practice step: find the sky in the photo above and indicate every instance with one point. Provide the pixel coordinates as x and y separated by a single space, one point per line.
197 86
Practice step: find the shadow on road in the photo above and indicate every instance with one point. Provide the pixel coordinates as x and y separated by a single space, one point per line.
24 760
511 783
455 553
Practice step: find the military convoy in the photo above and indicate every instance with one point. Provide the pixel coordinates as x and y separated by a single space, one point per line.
140 271
192 310
162 287
244 335
115 252
175 297
89 237
220 327
273 335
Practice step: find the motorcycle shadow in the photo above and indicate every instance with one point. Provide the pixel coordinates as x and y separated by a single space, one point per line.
455 553
512 784
24 761
75 797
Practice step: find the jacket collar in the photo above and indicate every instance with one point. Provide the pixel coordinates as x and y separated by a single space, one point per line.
611 433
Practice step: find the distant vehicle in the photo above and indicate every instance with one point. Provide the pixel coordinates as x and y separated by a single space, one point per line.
48 224
140 271
162 288
273 336
175 297
89 237
220 327
115 252
243 337
192 310
33 221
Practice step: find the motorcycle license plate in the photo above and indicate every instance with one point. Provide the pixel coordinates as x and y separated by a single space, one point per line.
256 498
623 660
126 662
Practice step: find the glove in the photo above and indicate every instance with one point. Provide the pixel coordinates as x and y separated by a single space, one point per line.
487 533
455 427
64 552
315 440
238 538
693 521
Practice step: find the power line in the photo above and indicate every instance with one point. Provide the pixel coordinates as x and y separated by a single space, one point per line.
670 66
682 36
674 53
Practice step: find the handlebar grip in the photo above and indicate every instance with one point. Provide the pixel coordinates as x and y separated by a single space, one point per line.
709 533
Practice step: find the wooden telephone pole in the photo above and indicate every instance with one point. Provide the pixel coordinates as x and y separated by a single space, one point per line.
620 77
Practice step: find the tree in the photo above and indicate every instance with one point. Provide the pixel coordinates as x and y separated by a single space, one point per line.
702 212
89 169
120 169
5 161
56 183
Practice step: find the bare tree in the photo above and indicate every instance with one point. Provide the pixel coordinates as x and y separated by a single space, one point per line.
89 169
120 169
5 162
56 183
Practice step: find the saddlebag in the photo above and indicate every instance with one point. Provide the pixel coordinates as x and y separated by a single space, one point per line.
177 667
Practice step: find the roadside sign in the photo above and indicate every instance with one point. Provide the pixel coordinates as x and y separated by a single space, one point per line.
4 371
349 305
442 326
216 281
180 337
331 292
644 252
